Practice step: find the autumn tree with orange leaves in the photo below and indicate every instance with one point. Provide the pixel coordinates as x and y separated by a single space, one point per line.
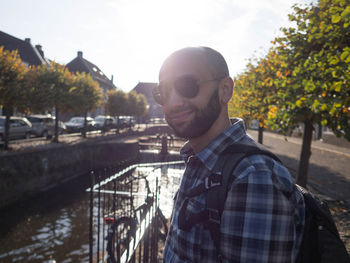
304 78
316 53
12 93
255 91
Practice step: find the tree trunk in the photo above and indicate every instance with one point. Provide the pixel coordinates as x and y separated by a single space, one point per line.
83 132
55 138
305 154
118 123
7 130
260 132
8 112
319 133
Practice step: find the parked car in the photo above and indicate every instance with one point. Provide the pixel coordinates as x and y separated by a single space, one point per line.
104 123
76 124
126 121
119 123
157 120
42 125
61 127
19 128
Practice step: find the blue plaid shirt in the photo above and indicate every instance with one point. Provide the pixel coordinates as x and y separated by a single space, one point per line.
259 222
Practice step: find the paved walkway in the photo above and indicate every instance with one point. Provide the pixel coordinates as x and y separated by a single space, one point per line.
329 168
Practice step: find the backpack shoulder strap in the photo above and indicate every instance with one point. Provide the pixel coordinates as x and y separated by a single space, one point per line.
228 162
216 196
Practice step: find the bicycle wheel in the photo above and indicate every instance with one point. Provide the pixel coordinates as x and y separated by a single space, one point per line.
162 224
118 237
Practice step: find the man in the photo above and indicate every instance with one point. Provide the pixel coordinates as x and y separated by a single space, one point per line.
260 222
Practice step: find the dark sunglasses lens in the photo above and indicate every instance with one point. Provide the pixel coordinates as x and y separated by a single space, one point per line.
187 87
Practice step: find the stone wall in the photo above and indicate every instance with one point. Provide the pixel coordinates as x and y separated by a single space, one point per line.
26 173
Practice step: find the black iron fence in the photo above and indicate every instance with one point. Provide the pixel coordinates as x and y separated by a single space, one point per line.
126 220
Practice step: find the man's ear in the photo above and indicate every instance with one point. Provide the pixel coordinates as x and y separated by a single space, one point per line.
226 90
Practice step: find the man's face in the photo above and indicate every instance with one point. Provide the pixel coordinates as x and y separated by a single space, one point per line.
190 117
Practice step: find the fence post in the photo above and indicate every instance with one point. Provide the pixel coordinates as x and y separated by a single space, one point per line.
98 216
91 242
156 223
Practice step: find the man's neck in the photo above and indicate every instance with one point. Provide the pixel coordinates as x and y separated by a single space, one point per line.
220 125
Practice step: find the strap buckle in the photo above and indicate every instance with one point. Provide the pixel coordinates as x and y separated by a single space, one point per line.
214 216
209 183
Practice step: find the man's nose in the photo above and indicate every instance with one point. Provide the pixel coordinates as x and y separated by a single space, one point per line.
174 98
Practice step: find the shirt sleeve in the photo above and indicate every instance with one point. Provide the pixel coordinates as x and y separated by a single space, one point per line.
257 223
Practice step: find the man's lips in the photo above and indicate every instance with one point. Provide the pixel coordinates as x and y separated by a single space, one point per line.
180 116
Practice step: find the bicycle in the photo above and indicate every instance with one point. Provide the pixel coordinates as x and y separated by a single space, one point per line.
123 228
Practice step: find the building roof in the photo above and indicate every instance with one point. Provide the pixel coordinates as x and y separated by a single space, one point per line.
80 64
28 53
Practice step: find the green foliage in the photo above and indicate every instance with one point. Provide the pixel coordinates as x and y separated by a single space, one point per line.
37 95
317 51
131 104
86 94
141 105
304 78
116 104
53 82
50 89
255 89
137 104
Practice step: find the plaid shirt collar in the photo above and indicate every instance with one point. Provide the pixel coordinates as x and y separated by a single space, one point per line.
210 154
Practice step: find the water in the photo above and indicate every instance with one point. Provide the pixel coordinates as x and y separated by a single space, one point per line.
51 226
55 226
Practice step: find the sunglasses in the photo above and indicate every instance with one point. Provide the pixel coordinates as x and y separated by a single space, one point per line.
186 86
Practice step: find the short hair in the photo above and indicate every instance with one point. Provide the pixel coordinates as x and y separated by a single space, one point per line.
215 61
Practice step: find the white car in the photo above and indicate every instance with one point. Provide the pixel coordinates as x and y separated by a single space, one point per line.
76 124
20 128
104 123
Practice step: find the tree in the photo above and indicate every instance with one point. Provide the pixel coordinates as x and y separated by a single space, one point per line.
239 105
55 81
12 93
254 91
137 104
86 96
37 94
131 103
141 106
116 104
315 58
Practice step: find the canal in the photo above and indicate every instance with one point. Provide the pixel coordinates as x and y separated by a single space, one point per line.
54 226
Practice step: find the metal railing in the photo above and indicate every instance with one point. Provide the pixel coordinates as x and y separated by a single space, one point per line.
126 222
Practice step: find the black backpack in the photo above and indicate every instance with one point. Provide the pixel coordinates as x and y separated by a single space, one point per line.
320 243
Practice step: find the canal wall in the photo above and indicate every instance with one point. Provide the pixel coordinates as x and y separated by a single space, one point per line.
27 173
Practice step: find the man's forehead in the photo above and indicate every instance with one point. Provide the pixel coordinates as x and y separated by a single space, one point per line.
184 63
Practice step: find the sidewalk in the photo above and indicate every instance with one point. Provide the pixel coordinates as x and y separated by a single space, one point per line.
316 144
329 167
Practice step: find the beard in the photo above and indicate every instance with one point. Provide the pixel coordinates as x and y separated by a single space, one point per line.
202 121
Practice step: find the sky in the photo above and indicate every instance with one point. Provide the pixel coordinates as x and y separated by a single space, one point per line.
130 39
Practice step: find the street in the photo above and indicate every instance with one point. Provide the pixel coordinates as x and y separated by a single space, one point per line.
329 167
